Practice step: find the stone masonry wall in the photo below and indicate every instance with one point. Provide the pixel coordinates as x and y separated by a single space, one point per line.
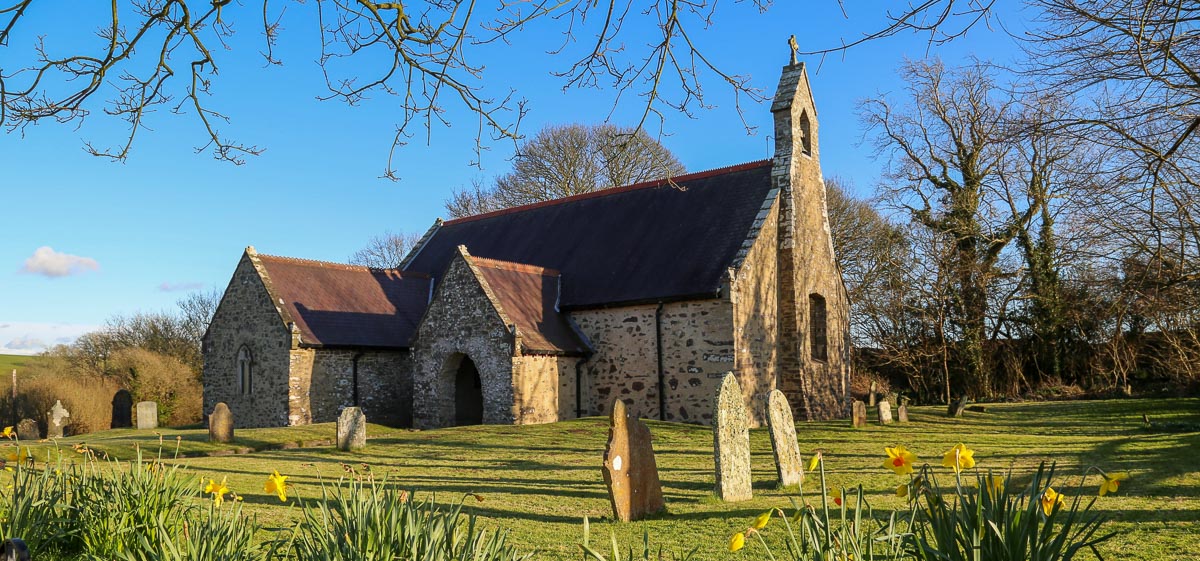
246 316
756 316
461 320
698 349
624 363
544 388
384 385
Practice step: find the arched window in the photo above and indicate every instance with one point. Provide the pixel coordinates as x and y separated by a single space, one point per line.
817 328
245 370
806 133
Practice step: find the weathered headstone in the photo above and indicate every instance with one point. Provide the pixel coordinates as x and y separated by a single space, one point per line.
630 472
871 394
977 408
28 429
885 412
351 429
902 413
220 424
56 420
731 442
783 440
956 407
858 412
122 410
147 415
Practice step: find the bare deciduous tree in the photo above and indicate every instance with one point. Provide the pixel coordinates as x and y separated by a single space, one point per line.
566 160
385 251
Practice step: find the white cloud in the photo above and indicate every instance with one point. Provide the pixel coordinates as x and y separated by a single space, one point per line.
25 343
29 338
50 263
179 286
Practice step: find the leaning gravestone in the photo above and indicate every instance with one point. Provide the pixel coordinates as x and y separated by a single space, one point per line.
630 472
885 412
731 442
902 413
57 420
28 429
858 412
147 415
956 407
122 410
783 439
220 424
351 429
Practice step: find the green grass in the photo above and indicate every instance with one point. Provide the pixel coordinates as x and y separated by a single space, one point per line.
18 362
540 481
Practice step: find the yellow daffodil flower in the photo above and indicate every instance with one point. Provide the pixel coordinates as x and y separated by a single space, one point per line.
1112 482
217 490
761 521
902 490
8 433
1050 500
959 458
277 484
737 542
899 460
996 485
837 496
812 464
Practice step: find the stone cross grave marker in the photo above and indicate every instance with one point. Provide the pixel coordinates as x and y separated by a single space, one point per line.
885 412
122 410
629 470
220 424
731 442
28 429
57 420
783 440
147 415
858 412
902 413
351 429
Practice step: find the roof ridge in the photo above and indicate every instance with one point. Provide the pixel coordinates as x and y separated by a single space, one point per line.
614 190
514 266
344 266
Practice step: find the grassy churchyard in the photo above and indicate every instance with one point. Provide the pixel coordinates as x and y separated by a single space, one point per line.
538 482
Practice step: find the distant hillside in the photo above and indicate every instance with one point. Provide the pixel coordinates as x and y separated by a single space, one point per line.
9 362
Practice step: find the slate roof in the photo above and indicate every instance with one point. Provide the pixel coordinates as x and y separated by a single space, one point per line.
337 305
528 295
652 241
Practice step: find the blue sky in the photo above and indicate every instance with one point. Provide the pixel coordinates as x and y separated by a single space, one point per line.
136 236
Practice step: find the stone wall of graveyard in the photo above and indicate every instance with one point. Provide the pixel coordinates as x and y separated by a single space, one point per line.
755 298
462 320
697 350
384 385
544 388
247 317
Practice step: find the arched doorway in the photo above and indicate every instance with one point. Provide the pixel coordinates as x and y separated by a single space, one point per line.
468 394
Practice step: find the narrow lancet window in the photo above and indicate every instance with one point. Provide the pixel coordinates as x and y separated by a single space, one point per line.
817 327
245 366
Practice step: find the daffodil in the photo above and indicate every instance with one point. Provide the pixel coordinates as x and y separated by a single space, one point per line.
761 521
8 433
1050 500
816 459
1112 482
217 490
837 496
902 490
996 485
737 542
959 458
899 460
277 484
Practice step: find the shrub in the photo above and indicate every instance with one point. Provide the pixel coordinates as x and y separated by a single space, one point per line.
163 379
88 399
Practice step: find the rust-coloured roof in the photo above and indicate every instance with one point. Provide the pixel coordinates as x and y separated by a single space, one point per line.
347 305
648 242
528 295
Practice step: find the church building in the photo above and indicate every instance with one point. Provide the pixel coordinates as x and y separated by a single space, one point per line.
647 293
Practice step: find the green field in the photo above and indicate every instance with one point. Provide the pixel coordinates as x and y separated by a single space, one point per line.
19 362
540 481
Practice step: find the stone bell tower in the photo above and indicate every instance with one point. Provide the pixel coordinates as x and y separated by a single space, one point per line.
813 369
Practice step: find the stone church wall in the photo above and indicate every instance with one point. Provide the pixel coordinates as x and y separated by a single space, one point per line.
461 320
384 385
544 388
246 317
756 316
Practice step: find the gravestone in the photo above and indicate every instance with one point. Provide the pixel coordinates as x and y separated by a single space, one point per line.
630 472
871 394
956 407
220 424
147 415
902 413
783 440
57 420
885 412
731 442
858 412
351 429
122 410
28 429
